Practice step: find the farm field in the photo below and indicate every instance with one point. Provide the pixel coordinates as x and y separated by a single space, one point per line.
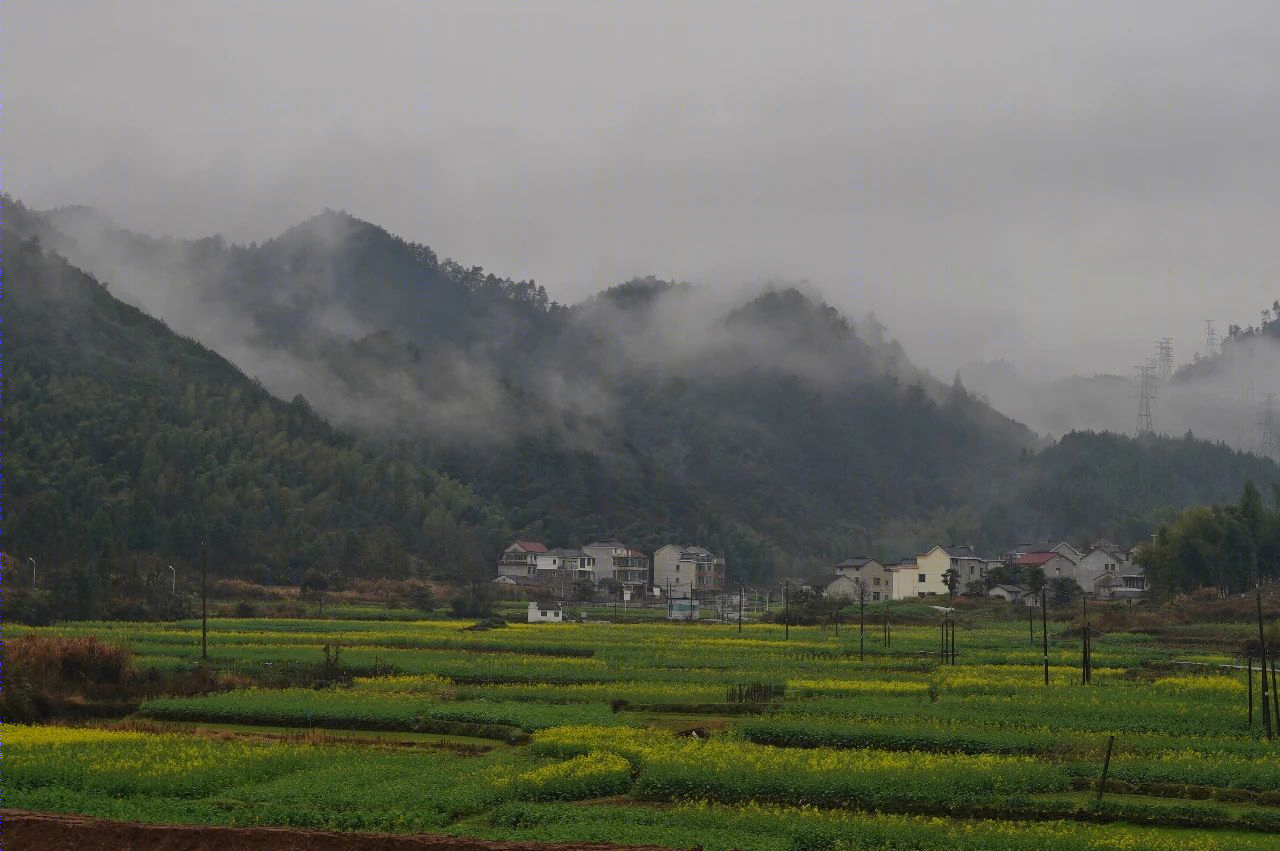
678 735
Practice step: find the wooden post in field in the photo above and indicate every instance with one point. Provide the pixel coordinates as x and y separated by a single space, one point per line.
1031 621
1106 766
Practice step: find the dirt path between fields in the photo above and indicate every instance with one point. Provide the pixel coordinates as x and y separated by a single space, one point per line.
27 831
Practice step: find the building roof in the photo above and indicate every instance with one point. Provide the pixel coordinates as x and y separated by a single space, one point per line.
563 553
545 605
857 562
1036 559
1110 549
609 544
1011 589
960 552
530 546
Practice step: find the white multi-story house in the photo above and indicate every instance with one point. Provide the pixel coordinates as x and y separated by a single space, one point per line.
683 571
615 560
520 559
566 567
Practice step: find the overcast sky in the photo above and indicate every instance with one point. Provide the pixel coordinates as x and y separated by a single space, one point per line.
1055 183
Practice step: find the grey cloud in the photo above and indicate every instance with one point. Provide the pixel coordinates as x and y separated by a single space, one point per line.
1052 183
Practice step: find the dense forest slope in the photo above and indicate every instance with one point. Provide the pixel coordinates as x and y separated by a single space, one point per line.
126 439
765 425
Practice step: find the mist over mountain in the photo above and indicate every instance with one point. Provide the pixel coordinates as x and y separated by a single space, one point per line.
760 421
1217 397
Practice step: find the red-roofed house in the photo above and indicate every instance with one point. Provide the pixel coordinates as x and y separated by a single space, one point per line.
520 559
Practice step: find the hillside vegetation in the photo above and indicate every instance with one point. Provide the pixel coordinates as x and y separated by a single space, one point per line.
468 407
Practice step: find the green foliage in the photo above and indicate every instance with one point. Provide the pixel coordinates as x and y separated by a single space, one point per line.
129 443
1229 547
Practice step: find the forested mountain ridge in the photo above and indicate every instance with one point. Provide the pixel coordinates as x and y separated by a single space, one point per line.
127 444
768 427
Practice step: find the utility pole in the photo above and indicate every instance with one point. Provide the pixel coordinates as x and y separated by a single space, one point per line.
173 588
33 572
204 601
786 612
886 623
862 621
742 591
1262 648
1044 630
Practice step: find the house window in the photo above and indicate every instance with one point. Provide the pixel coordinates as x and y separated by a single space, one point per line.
921 594
544 614
924 578
875 581
971 570
875 595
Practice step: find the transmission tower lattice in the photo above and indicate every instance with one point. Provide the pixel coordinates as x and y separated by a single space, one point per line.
1146 395
1267 426
1164 357
1210 339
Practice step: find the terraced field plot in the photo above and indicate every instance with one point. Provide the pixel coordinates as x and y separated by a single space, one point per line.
894 751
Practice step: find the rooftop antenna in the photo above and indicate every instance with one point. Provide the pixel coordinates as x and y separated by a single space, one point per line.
1164 357
1146 395
1267 426
1210 339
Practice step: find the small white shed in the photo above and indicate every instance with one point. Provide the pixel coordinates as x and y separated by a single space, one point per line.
539 612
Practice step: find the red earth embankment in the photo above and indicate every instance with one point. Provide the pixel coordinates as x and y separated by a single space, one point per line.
27 831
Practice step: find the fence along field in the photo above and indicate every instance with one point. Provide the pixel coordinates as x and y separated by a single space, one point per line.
570 732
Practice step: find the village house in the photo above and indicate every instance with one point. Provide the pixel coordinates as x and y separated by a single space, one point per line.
511 582
860 575
615 560
1053 564
564 568
903 576
1101 569
928 574
540 612
1010 593
520 559
684 571
1062 548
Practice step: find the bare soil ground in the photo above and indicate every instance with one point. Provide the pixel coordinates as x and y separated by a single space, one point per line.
28 831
